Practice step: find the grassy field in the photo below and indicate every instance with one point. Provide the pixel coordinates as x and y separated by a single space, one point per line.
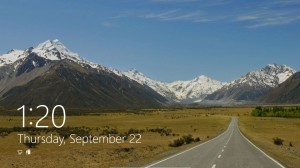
202 123
262 130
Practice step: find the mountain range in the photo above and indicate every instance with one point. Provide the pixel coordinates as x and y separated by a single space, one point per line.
285 93
50 73
191 91
251 86
206 91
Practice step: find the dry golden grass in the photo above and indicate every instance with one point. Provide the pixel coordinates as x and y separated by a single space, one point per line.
198 122
262 130
229 111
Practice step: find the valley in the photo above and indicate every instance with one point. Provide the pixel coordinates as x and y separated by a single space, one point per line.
157 129
150 84
149 118
262 131
64 77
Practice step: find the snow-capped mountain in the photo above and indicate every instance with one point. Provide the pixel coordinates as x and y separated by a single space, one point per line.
286 93
19 68
160 87
51 73
196 89
272 75
192 91
252 85
247 88
11 57
52 50
55 50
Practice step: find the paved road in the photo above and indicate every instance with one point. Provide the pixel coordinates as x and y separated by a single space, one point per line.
229 150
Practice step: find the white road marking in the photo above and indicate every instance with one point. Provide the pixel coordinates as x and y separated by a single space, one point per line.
219 156
261 150
222 150
229 136
213 166
188 149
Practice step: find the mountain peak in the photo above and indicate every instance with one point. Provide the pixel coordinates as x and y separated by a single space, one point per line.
55 50
179 91
272 65
50 50
202 77
136 73
133 70
54 45
278 68
252 85
271 75
15 51
275 66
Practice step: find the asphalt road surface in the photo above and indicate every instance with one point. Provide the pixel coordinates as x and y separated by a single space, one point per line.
229 150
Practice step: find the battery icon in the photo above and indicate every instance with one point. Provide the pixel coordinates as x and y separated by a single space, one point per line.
28 152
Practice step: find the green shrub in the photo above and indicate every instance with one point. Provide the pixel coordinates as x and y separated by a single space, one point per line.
135 131
125 150
125 135
3 134
286 112
278 141
188 138
197 139
161 131
108 131
185 139
66 132
177 143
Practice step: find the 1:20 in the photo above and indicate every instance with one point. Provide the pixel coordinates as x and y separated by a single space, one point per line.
46 114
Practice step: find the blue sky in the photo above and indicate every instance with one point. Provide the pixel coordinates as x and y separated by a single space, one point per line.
165 39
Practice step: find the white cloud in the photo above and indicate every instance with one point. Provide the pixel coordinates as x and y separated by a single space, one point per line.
262 14
268 17
274 21
246 17
161 16
173 15
177 15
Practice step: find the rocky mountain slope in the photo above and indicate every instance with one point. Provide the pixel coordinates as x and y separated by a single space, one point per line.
51 74
252 85
191 91
287 92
